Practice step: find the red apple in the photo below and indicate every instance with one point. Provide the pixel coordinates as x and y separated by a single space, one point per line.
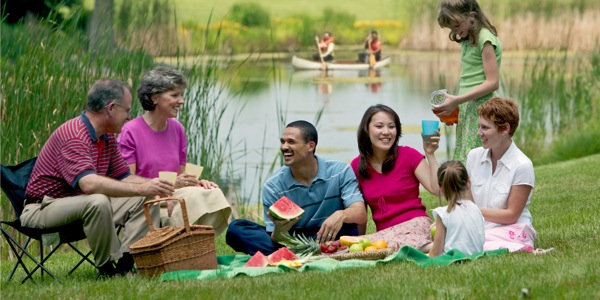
324 247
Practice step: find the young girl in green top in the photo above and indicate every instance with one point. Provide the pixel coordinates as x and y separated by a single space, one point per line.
480 59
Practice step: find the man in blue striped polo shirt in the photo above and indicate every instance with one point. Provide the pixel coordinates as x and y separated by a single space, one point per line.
327 190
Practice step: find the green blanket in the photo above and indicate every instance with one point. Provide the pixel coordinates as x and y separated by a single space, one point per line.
233 265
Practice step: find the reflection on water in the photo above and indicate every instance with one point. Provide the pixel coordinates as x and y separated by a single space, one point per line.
375 82
342 96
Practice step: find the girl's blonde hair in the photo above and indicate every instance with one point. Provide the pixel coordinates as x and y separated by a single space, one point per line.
453 12
454 182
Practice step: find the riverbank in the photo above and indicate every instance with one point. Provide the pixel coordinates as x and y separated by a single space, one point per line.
350 51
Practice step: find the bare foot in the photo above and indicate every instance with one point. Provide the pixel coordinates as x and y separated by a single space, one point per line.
426 248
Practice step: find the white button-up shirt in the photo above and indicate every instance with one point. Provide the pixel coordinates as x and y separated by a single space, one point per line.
492 190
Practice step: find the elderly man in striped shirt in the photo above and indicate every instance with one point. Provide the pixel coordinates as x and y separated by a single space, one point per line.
80 175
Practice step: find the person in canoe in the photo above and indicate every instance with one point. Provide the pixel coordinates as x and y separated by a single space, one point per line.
373 46
325 46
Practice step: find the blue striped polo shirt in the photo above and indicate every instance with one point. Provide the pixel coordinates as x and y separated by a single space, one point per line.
333 188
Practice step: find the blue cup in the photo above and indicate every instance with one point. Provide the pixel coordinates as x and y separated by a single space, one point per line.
428 128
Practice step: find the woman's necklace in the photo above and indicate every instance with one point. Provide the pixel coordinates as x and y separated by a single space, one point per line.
151 122
148 121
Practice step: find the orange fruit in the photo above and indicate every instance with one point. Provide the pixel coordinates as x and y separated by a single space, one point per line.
370 248
380 244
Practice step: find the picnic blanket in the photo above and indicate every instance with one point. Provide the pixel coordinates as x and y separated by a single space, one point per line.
233 265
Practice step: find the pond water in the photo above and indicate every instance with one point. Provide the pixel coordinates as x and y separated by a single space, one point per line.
342 97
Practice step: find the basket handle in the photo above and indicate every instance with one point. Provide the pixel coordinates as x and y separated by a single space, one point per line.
184 214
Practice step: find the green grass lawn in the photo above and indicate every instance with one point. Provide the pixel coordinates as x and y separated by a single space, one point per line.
564 207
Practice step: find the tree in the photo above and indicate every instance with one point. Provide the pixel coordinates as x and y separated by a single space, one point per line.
101 30
250 14
16 10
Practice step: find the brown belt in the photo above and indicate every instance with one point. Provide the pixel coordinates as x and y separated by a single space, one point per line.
32 201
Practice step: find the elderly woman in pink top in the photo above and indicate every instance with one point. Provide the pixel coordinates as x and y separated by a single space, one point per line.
389 176
156 142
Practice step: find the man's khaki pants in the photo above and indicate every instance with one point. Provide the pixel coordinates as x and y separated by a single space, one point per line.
99 214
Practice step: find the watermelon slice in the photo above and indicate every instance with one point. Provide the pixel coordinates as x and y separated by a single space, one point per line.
282 254
257 260
285 209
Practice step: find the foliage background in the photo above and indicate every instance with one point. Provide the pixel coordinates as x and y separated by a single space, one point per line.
406 25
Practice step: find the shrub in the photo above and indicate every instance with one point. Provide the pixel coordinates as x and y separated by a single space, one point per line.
574 143
250 14
337 17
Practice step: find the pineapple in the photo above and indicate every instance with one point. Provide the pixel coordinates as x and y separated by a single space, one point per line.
302 245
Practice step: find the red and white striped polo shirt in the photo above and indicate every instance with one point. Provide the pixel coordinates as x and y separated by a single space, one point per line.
71 152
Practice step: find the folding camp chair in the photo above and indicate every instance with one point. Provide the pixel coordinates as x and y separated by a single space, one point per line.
14 182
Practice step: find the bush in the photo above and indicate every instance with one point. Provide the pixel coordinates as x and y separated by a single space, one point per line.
335 17
250 14
253 40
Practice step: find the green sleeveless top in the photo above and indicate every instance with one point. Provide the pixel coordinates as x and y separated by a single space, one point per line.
472 64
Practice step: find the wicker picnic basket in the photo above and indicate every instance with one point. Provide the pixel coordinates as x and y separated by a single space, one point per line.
174 248
371 255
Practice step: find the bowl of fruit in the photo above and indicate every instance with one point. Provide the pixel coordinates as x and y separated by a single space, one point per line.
334 247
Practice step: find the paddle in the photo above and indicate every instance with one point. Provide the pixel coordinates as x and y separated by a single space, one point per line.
372 60
320 53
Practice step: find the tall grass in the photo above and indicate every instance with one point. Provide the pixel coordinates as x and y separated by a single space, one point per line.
541 25
45 77
559 100
208 133
147 24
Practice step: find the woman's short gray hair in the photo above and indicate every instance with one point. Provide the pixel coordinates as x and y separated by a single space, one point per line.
159 80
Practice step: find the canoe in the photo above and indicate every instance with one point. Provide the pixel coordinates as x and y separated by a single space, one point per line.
305 64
